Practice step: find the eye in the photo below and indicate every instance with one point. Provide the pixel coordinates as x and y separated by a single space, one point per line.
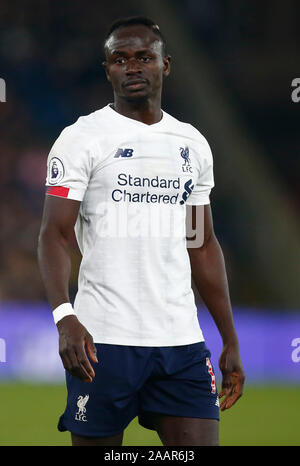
120 60
145 59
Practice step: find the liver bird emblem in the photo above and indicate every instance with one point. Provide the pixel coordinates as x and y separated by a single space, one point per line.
81 402
185 154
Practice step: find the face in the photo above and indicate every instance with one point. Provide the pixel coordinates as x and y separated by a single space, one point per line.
135 64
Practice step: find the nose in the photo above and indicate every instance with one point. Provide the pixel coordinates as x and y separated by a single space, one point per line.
133 66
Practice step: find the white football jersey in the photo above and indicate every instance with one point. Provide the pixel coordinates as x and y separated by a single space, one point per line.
134 181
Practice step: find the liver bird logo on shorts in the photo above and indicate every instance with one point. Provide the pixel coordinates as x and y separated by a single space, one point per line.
81 402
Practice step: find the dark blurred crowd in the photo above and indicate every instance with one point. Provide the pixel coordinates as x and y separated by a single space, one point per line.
255 46
51 55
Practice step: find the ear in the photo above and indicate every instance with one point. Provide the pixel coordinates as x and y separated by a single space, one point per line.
105 66
167 65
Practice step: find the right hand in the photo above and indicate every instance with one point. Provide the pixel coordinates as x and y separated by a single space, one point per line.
233 376
74 340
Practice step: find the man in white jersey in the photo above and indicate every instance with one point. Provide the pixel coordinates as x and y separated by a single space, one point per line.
124 177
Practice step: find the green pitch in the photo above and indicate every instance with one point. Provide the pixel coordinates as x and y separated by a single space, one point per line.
267 415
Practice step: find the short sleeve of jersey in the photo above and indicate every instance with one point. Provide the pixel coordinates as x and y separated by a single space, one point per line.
68 165
205 182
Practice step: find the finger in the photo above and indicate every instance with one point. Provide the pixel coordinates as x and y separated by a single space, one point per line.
237 383
68 357
226 385
235 391
71 364
223 392
229 401
226 401
85 365
91 349
74 366
65 360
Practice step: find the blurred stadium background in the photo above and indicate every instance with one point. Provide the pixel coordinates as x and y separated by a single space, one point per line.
233 66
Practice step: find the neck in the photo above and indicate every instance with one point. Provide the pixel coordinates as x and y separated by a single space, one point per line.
145 110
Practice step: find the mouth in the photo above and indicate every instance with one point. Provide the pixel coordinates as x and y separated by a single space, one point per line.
135 84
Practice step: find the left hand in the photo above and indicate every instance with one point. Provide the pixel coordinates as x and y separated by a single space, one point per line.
233 376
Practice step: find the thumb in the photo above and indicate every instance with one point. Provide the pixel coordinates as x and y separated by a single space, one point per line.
91 348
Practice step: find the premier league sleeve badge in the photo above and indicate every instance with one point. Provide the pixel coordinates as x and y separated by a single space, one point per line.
56 171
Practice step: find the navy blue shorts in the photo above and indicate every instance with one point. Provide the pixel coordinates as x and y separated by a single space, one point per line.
140 381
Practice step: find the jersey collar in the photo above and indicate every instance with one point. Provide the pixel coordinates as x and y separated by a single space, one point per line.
137 122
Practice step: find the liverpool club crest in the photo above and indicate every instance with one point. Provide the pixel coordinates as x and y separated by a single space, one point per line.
185 154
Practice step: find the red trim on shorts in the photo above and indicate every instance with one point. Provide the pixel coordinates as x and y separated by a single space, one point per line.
211 373
58 191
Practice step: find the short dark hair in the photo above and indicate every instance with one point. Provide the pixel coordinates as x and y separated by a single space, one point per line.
132 21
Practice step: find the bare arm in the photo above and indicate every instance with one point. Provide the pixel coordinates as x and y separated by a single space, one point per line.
58 222
209 274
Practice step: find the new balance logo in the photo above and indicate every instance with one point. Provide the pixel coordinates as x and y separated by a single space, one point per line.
124 153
